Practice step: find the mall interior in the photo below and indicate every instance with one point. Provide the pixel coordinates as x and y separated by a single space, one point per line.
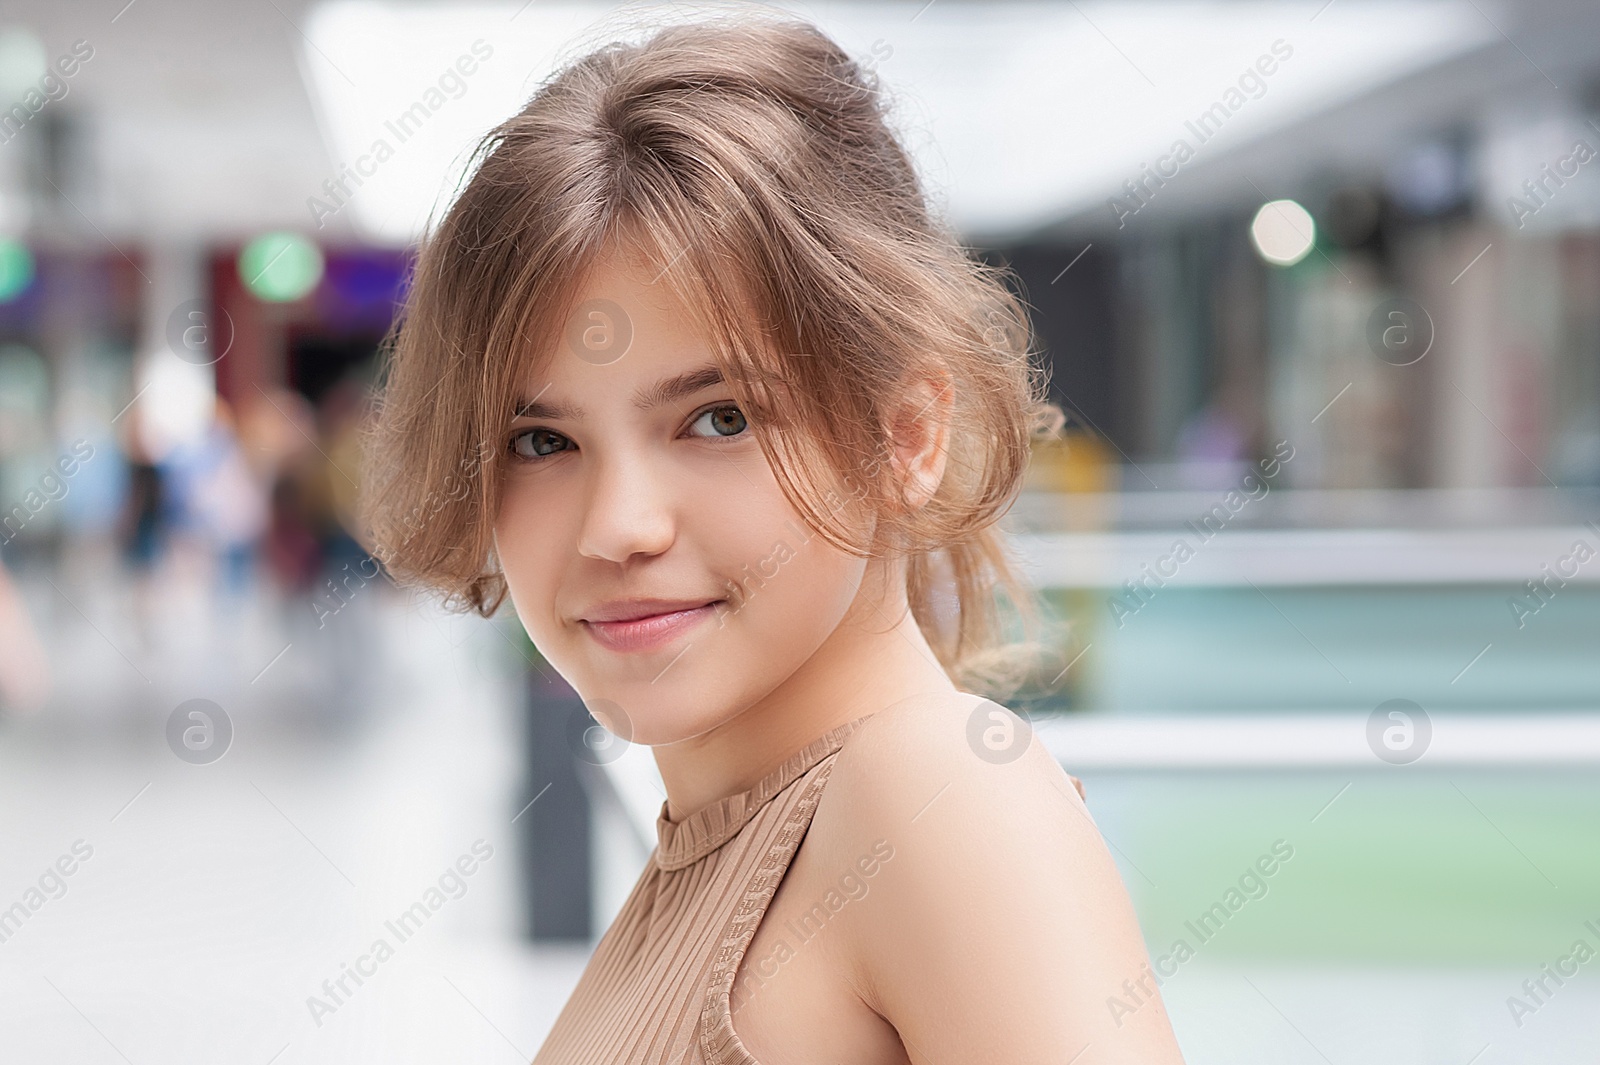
1316 284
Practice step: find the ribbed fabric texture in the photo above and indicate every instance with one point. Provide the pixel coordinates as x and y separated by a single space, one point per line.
657 988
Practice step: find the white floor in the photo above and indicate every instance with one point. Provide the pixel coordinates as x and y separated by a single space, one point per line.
369 757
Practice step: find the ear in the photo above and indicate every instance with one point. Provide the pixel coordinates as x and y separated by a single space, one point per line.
920 438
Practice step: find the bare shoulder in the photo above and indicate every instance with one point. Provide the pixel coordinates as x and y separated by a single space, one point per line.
993 922
907 757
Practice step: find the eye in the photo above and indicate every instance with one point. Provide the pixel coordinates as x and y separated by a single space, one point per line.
724 420
533 445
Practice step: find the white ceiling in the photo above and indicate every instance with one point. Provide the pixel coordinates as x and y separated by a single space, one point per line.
192 120
1017 111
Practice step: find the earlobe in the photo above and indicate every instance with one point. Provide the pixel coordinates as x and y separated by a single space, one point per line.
921 440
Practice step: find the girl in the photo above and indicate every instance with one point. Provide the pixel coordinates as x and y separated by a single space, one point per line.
689 371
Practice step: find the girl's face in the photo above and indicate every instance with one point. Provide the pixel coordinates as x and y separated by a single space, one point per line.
632 475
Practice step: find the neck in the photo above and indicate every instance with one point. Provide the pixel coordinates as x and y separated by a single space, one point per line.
864 665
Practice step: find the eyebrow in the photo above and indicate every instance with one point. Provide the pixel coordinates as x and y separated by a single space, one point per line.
665 391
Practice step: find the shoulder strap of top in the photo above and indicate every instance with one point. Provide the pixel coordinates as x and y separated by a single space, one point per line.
718 1042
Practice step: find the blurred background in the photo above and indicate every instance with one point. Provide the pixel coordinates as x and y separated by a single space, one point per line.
1318 284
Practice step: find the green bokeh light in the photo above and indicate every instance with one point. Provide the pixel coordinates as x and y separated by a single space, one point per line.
16 268
279 267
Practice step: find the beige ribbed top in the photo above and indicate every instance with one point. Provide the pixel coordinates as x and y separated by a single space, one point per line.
656 989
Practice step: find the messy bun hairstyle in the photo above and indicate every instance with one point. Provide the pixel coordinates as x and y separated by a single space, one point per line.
751 160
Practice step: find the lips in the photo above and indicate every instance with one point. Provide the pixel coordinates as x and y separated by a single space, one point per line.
642 626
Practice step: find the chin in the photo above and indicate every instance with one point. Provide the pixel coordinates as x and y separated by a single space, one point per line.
656 708
658 718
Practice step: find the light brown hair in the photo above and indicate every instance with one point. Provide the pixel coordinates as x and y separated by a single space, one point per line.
750 159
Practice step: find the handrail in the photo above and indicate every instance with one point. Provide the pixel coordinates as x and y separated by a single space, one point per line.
1240 557
1310 740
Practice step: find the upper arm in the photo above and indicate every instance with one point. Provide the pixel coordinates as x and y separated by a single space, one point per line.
999 927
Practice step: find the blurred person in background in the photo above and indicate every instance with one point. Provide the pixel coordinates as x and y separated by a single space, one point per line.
1219 440
143 528
224 504
282 425
342 415
91 512
24 666
346 590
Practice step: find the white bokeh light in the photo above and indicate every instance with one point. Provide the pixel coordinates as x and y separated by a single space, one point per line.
1283 232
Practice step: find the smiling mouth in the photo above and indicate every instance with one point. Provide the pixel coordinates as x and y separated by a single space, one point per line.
651 633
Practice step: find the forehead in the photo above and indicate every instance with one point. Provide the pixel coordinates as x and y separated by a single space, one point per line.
624 326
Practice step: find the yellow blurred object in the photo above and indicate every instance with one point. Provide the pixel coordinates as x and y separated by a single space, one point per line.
1077 462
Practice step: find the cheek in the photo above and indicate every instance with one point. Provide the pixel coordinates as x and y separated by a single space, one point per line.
794 592
523 537
797 591
793 587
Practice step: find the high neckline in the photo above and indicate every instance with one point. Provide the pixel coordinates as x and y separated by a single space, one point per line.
682 843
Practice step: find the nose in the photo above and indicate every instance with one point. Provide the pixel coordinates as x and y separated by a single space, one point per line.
629 509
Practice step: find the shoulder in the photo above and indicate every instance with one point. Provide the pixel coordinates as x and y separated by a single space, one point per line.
904 761
995 922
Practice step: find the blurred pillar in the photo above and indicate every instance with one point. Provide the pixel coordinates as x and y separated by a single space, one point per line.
255 361
1468 445
176 272
555 830
175 381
